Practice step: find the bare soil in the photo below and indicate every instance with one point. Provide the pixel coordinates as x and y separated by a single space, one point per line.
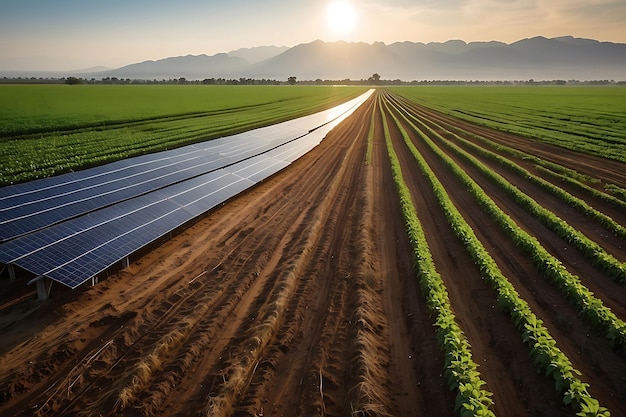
298 298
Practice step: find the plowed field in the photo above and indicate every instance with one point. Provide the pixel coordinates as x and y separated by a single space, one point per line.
298 298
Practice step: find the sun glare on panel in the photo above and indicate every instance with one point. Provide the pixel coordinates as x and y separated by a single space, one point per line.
341 17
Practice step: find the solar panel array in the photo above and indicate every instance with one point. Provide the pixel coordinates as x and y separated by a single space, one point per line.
72 227
25 209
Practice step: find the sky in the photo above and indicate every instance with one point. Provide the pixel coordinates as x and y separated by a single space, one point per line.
79 34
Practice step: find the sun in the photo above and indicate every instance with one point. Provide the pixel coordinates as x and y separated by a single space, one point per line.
341 17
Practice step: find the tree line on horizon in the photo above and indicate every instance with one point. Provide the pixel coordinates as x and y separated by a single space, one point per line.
375 79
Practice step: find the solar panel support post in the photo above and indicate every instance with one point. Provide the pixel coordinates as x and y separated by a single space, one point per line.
94 281
125 262
44 285
11 270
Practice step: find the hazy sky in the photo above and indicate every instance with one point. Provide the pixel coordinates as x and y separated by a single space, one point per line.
76 34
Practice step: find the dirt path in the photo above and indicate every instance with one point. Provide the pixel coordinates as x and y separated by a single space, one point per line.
298 298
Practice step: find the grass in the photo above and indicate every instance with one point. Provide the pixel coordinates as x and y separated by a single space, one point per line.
50 129
32 108
585 119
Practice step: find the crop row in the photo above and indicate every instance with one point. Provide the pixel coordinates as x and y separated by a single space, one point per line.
595 125
461 371
617 191
591 308
605 197
569 176
572 201
586 246
368 350
547 356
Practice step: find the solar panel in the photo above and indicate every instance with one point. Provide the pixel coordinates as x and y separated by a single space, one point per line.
24 209
123 228
83 245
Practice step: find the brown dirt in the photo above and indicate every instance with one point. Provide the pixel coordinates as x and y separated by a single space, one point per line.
297 298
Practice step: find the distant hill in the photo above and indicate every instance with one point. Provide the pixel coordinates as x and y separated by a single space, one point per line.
190 67
259 53
336 60
536 58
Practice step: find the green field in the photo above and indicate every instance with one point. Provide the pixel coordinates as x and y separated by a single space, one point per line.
50 129
585 119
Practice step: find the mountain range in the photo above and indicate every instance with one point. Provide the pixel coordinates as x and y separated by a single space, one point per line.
536 58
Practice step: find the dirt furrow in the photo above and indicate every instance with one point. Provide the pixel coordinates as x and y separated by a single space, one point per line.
289 245
325 280
416 360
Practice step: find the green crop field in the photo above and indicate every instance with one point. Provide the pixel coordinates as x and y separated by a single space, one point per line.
50 129
441 149
585 119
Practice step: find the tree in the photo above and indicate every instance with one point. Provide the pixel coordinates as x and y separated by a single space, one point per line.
374 79
291 80
73 80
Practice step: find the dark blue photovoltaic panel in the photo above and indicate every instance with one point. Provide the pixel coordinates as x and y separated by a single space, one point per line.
259 164
117 231
65 196
168 190
291 153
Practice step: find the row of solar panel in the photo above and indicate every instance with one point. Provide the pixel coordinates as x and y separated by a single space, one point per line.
81 192
78 248
31 206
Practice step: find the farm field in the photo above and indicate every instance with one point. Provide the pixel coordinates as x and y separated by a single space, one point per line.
413 264
585 119
50 129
